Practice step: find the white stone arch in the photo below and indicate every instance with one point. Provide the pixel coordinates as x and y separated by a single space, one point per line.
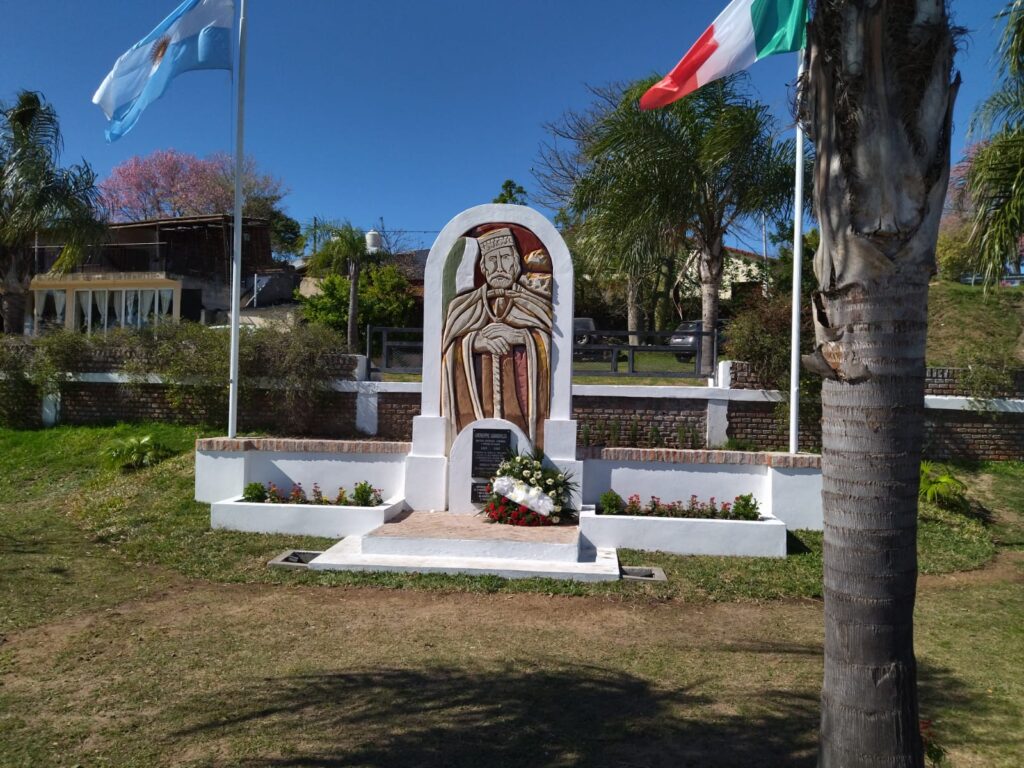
561 300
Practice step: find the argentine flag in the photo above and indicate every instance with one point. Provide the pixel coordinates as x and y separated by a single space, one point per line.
197 35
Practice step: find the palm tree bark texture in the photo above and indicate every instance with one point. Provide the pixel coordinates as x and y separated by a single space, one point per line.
879 101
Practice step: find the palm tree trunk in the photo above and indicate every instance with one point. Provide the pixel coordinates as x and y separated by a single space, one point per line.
634 316
881 106
711 263
353 305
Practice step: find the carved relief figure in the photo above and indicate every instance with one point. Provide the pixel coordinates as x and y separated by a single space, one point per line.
496 345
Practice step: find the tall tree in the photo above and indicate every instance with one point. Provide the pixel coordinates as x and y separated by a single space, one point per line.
511 193
343 251
879 100
652 186
38 195
169 183
993 178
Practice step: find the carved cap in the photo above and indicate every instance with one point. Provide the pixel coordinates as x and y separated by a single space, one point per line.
498 238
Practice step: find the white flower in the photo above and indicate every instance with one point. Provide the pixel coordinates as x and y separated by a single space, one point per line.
555 519
526 473
519 493
536 464
561 477
550 481
551 494
558 507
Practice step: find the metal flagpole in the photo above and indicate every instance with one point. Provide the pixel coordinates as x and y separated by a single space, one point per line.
798 249
236 259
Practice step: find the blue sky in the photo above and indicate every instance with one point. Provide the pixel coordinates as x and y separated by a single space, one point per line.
408 110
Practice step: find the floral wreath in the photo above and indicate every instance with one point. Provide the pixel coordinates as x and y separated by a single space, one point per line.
525 492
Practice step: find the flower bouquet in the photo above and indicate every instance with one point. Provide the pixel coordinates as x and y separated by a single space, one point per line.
525 492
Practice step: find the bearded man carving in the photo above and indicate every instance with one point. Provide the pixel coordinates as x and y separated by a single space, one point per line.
496 345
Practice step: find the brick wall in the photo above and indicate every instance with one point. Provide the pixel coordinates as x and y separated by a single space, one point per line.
330 414
20 405
946 381
974 436
394 414
742 376
640 422
767 427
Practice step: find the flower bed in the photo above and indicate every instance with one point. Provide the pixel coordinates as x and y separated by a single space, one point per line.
525 492
743 507
363 495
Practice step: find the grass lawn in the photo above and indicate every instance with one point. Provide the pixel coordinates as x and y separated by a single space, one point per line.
132 635
962 318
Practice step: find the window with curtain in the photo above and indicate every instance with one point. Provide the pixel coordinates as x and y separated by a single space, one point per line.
166 308
98 321
131 308
115 309
83 304
60 299
147 300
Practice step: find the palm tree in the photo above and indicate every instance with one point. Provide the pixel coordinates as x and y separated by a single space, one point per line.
658 184
344 252
879 99
37 195
993 179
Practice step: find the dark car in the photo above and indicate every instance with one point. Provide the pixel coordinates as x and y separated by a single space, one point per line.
584 335
686 340
583 330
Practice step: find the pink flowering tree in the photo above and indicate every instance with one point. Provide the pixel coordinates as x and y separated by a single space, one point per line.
169 183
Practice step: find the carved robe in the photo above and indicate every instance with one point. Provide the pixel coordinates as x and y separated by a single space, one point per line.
514 386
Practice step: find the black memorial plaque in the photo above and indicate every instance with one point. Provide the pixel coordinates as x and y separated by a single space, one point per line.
490 448
478 493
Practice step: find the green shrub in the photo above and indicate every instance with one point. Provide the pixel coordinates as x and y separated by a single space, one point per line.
611 503
137 452
365 495
745 507
254 493
938 486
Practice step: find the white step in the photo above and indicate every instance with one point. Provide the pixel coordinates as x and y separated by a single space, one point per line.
495 549
348 555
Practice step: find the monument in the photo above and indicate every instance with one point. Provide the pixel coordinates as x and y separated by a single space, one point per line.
497 352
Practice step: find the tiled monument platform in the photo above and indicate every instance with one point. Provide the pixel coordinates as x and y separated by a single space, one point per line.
441 542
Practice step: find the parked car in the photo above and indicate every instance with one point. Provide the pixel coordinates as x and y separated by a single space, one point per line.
583 330
686 340
584 333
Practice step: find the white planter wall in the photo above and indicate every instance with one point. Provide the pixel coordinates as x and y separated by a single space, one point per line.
682 536
674 482
301 519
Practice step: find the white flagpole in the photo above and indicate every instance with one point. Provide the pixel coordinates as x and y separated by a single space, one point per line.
236 259
798 248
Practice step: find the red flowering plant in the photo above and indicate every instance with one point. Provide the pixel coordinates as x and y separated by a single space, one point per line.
743 507
525 492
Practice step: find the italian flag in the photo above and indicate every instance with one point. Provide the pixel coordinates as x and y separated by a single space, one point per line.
746 31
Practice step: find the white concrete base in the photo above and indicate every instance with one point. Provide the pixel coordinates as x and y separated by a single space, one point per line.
471 548
425 486
684 536
347 555
301 519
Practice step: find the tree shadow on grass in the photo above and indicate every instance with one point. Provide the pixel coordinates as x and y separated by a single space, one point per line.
965 715
444 716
